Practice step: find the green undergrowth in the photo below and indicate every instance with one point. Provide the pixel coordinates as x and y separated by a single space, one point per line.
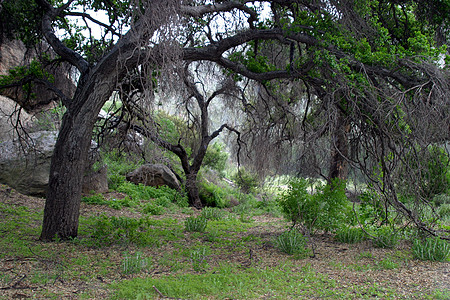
107 231
147 199
226 260
227 281
19 228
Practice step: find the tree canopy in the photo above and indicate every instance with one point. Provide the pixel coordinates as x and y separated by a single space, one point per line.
377 71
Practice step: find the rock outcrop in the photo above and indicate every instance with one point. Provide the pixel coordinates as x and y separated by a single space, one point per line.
12 117
25 165
95 181
154 175
13 53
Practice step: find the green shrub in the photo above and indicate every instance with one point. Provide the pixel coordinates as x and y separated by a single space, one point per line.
371 209
163 195
292 242
334 207
385 237
99 199
216 158
444 211
327 209
433 249
118 166
246 181
296 203
212 213
195 224
432 172
213 195
350 235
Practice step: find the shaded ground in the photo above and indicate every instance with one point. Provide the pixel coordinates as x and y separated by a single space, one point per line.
70 269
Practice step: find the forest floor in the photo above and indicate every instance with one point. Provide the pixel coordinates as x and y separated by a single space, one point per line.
30 269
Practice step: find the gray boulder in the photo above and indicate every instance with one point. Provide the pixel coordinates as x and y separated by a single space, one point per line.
95 181
25 165
154 175
12 116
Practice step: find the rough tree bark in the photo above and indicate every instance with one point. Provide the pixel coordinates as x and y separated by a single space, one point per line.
61 210
339 148
95 86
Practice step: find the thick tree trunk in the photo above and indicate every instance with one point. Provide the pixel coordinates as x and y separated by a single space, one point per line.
66 172
339 149
192 190
68 163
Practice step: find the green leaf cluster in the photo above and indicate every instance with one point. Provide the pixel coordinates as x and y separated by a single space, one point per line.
326 209
25 74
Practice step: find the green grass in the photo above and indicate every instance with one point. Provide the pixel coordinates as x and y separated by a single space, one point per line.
292 242
230 259
350 235
227 281
196 224
433 249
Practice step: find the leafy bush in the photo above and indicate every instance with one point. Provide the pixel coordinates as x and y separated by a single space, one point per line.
292 242
196 224
212 213
118 166
296 203
97 199
431 167
371 209
385 237
334 207
350 235
213 195
441 199
444 211
216 158
327 209
246 181
163 195
433 249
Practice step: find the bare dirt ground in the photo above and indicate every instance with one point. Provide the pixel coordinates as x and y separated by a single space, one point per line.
349 265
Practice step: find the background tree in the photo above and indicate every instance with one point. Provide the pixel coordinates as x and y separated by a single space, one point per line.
199 94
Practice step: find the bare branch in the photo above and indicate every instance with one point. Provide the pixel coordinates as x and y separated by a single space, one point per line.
88 16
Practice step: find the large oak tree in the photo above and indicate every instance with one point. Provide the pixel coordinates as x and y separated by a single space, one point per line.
358 57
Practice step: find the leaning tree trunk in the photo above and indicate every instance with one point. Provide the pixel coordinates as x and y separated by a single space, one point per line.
69 158
66 172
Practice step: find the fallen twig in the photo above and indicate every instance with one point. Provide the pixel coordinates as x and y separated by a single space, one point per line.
162 296
14 286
